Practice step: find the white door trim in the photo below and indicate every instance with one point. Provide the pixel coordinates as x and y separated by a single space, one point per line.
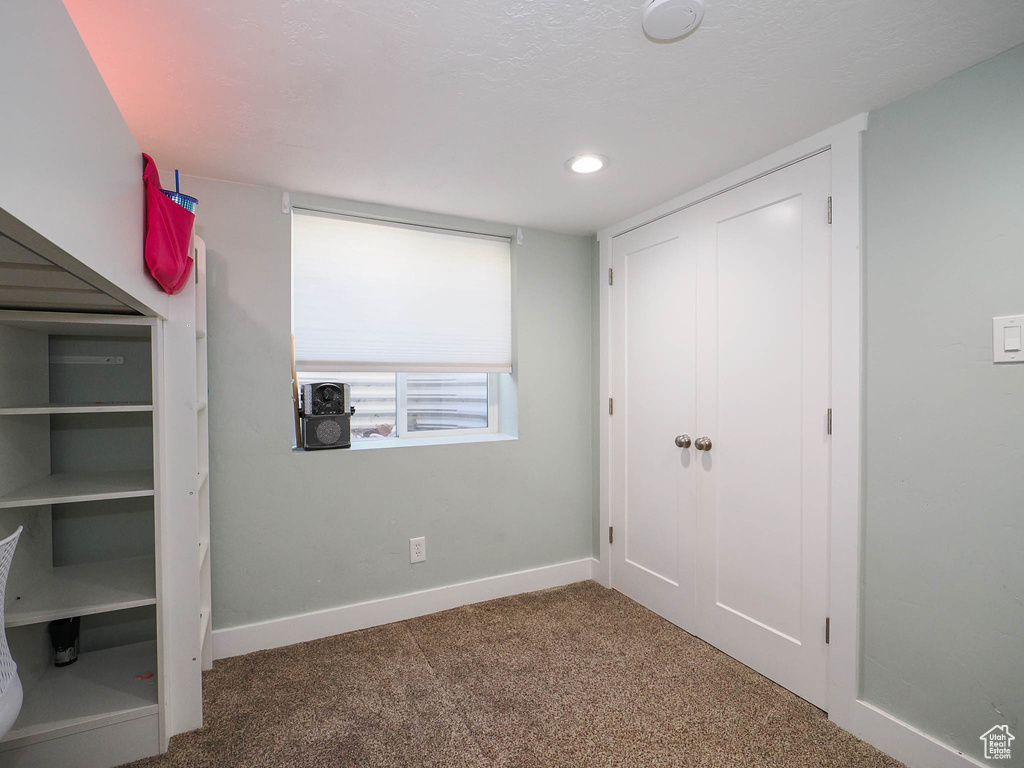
844 141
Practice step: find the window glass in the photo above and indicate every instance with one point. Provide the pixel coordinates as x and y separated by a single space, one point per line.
446 401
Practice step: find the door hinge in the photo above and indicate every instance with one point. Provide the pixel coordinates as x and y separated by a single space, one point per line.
830 421
828 630
611 276
830 209
611 534
611 406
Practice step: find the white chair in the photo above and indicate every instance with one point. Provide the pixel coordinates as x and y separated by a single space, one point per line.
10 684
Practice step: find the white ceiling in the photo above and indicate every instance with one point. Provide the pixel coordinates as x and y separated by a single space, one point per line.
471 107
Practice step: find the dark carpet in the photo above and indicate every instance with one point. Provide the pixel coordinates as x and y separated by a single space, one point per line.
575 676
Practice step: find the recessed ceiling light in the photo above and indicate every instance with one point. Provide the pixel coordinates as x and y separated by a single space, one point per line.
586 163
665 21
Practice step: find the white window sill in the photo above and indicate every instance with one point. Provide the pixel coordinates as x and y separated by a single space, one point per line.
371 444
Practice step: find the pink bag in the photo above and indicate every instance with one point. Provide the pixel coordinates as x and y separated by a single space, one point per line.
168 233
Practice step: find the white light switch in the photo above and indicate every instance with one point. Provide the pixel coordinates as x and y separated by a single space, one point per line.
1011 339
1006 339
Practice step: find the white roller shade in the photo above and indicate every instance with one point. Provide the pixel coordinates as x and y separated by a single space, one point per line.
375 296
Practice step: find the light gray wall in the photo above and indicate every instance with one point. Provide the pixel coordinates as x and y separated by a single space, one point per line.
944 530
294 532
72 172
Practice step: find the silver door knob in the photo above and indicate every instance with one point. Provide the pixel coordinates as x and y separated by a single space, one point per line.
683 441
702 444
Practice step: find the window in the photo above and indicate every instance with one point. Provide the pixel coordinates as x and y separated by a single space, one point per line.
402 405
417 321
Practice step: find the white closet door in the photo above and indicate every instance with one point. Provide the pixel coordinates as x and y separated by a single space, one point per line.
720 331
653 364
763 398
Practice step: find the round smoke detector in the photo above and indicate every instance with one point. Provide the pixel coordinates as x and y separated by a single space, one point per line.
668 20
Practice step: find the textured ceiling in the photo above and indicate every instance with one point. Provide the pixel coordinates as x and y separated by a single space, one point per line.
471 107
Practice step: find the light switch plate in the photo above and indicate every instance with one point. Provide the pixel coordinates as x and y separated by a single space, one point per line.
1005 335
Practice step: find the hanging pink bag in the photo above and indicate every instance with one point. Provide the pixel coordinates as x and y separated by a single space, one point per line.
168 233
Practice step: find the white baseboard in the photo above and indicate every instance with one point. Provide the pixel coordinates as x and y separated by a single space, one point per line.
903 741
234 641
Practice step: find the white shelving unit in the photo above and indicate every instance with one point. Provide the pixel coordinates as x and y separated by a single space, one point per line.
97 466
62 474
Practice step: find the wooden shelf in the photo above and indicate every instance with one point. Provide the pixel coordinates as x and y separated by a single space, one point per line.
70 487
101 688
82 590
30 410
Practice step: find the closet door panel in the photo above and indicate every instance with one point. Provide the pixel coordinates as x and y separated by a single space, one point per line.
763 398
655 307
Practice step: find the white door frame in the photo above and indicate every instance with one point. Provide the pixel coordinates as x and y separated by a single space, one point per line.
845 708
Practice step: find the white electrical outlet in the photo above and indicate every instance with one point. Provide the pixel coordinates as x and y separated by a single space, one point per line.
418 549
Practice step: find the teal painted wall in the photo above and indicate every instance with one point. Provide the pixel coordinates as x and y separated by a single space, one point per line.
943 600
294 532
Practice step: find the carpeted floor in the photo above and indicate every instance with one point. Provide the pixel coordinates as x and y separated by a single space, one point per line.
575 676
